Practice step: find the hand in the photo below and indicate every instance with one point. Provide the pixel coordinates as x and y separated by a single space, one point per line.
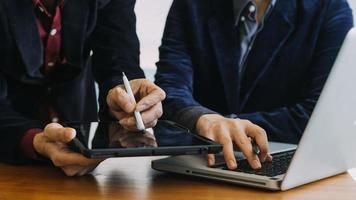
51 143
149 97
230 132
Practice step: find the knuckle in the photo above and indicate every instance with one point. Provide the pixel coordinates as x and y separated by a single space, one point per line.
50 126
143 81
242 141
218 126
109 98
148 102
118 91
127 104
162 94
147 82
231 122
159 112
110 93
246 122
154 123
225 140
236 126
262 133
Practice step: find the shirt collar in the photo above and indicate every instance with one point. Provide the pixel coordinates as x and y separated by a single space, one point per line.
240 5
37 2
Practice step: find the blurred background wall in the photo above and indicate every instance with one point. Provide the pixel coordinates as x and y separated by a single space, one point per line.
151 16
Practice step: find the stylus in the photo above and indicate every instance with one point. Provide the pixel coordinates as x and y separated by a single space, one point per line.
139 122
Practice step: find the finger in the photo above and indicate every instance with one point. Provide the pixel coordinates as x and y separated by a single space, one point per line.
120 115
72 170
75 170
244 144
153 114
151 124
260 137
149 117
62 157
153 97
228 152
86 170
56 133
119 100
129 124
211 159
269 158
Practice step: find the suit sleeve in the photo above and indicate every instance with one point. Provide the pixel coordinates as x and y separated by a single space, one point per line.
285 124
288 123
175 70
13 127
115 46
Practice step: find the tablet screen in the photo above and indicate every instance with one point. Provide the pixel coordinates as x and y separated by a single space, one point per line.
110 135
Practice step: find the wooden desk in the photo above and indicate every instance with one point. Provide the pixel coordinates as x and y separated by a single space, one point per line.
132 178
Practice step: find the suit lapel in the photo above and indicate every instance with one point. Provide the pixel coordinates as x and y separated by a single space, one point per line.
267 45
225 44
23 24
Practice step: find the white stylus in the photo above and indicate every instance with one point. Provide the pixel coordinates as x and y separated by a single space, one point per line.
139 122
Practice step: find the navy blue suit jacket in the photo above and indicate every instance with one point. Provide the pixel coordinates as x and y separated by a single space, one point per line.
106 27
285 71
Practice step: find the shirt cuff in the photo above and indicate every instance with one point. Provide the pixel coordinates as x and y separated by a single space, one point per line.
26 146
189 116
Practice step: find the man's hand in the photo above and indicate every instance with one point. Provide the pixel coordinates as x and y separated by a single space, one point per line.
149 97
230 132
51 143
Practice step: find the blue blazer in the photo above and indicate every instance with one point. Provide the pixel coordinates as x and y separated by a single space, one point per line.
286 69
106 27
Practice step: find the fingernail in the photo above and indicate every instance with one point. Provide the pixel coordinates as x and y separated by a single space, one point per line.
232 164
270 158
263 159
256 164
71 134
210 161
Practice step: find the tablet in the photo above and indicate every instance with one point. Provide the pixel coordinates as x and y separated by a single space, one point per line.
109 139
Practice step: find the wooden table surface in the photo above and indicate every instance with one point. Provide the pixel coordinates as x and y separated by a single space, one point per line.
133 178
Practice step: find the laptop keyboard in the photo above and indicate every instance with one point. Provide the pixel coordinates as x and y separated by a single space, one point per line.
278 166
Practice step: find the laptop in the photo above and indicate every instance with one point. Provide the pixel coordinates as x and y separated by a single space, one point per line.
327 147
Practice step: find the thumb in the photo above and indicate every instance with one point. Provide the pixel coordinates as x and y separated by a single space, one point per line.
57 133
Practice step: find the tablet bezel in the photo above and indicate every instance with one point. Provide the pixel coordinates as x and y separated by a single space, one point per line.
210 148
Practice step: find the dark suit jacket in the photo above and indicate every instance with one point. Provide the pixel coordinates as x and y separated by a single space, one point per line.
106 27
286 69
